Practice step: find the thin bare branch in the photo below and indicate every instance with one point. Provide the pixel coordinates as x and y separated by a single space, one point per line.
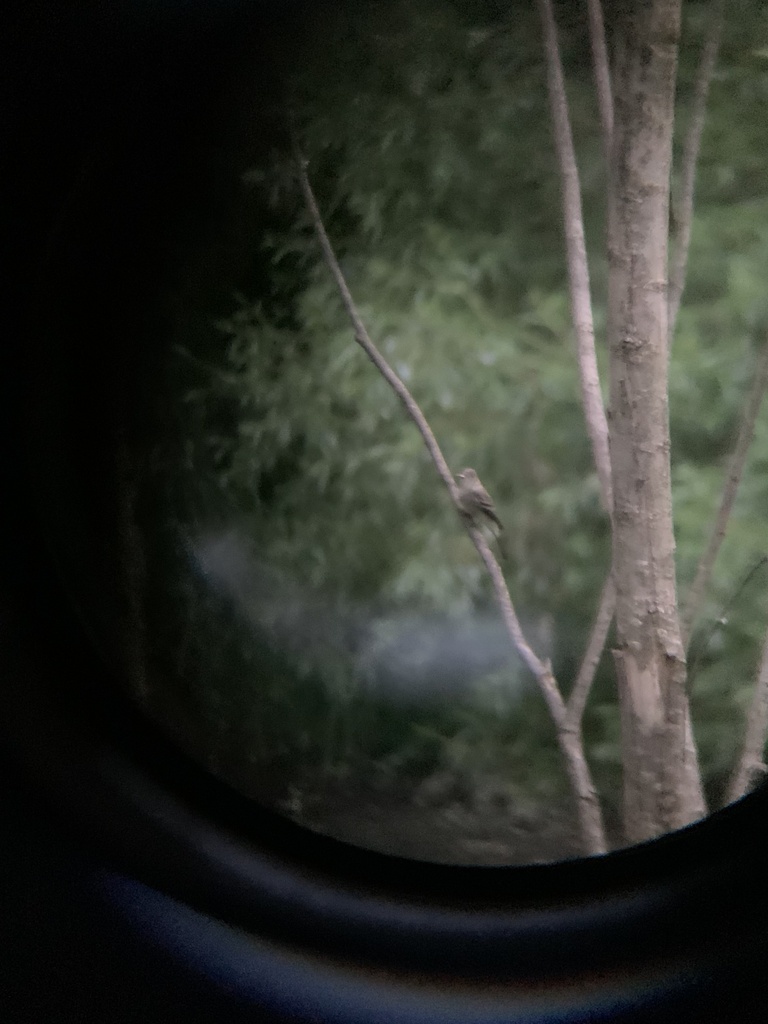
576 253
569 733
751 767
577 699
602 74
581 306
364 340
683 211
732 481
587 802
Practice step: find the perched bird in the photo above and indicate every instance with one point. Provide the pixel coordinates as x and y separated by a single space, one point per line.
474 500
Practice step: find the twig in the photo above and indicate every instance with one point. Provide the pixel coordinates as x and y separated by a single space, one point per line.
602 74
721 618
361 334
732 481
577 698
576 252
751 766
690 156
587 803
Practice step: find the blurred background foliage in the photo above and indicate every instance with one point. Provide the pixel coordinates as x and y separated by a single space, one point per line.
316 609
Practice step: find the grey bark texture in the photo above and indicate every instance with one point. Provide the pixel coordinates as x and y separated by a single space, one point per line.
662 789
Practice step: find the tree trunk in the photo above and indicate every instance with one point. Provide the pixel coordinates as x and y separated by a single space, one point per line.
661 788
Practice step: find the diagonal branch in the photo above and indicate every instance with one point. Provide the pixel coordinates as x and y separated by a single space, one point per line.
577 698
587 803
602 74
751 767
690 156
732 481
576 253
363 339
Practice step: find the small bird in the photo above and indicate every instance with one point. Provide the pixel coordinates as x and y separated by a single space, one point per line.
474 500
